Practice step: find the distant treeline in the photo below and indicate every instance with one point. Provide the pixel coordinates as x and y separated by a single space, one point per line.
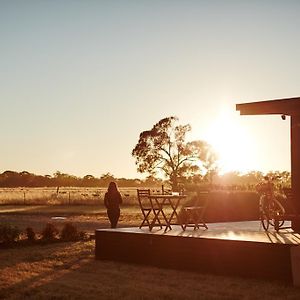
26 179
228 181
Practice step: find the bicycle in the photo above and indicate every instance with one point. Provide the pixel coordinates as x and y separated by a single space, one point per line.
271 211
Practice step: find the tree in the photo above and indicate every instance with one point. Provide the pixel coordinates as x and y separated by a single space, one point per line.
63 179
164 151
106 178
89 180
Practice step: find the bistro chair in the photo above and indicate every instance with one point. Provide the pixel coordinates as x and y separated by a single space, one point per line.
147 208
193 215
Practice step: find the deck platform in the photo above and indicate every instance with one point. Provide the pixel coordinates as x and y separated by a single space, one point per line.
237 248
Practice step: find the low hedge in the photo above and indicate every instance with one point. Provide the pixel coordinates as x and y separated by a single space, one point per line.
9 233
232 206
228 206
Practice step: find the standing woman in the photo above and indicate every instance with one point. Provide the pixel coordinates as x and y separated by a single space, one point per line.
112 201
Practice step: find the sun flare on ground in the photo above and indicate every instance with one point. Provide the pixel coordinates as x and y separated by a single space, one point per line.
232 143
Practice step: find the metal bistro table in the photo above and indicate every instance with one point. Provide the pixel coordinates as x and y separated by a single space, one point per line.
158 203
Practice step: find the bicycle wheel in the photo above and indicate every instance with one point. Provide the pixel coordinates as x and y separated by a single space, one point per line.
276 214
265 221
263 213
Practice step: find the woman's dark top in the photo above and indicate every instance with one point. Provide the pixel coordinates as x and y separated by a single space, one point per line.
112 200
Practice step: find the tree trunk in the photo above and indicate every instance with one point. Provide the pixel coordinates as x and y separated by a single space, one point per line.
174 183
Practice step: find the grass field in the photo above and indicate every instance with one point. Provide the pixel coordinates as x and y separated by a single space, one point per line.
64 195
69 270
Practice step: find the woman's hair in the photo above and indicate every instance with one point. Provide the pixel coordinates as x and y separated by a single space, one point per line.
112 187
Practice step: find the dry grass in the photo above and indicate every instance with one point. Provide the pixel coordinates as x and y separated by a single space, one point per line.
65 195
85 217
69 271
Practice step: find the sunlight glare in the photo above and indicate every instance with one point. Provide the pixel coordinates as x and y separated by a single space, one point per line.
232 143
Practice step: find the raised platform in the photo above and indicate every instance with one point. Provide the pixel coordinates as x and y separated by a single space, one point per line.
238 248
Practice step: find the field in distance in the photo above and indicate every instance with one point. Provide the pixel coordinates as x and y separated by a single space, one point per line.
64 195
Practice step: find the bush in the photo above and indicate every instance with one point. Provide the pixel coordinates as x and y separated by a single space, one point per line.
50 232
83 235
8 233
69 232
30 234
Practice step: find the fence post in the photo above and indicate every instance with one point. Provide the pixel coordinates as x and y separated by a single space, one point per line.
24 197
69 198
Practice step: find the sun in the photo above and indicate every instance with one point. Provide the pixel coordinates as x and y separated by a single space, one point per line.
232 143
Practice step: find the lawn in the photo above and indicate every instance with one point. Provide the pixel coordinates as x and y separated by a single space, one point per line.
69 270
85 217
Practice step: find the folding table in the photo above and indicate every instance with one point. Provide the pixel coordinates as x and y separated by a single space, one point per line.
159 203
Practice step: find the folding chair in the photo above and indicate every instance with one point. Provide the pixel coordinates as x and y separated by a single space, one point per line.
146 208
194 214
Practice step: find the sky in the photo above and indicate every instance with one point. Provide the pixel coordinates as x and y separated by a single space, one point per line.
80 80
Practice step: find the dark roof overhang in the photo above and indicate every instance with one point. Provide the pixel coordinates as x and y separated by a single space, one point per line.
289 107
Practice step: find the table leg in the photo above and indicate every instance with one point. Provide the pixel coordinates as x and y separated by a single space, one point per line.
157 209
156 218
174 211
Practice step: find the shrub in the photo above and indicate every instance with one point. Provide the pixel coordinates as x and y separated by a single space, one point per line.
30 234
83 235
8 233
69 232
50 232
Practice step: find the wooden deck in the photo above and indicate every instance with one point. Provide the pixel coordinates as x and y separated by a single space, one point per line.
237 248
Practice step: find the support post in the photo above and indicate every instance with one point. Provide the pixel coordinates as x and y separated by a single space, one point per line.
295 167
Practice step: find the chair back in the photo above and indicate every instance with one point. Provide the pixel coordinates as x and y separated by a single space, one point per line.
142 195
194 215
202 198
